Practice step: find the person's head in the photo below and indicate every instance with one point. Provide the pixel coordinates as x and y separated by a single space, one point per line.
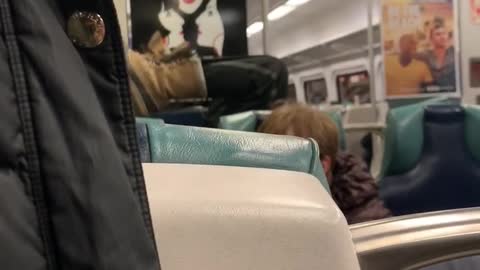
302 121
439 35
408 45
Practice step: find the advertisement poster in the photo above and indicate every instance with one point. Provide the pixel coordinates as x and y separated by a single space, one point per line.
353 86
213 27
419 47
316 91
475 11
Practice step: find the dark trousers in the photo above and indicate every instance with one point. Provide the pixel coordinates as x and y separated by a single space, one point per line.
243 84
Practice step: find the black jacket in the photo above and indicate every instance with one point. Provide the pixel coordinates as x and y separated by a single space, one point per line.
355 191
72 194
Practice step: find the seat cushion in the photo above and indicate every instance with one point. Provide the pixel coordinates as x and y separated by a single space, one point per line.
446 175
193 145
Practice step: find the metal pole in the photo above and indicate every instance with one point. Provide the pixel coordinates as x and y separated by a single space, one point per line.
265 11
371 58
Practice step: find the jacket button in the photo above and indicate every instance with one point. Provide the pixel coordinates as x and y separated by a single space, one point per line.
86 29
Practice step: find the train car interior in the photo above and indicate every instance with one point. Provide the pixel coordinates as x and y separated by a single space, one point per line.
243 177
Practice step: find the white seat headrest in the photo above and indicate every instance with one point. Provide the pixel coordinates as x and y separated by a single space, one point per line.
218 218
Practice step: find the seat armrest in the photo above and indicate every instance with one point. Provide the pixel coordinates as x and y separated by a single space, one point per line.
417 241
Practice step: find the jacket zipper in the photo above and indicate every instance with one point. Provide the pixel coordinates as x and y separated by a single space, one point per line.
127 111
33 172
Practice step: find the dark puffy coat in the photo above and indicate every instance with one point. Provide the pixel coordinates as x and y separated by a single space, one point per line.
72 194
355 191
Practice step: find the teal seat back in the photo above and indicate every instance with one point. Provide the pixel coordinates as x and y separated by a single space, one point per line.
192 145
404 136
472 130
437 167
249 121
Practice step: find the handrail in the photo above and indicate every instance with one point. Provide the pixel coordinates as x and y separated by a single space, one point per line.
416 241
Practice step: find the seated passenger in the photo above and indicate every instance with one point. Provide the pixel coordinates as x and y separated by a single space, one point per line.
353 188
233 84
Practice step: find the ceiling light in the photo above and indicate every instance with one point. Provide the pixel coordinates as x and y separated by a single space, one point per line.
254 28
296 3
280 12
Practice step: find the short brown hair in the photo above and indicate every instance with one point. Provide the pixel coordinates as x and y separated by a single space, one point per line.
303 121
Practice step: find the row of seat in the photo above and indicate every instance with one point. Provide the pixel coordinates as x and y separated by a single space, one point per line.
431 154
223 214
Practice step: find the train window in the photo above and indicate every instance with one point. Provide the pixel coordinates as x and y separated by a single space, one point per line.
292 92
353 85
316 91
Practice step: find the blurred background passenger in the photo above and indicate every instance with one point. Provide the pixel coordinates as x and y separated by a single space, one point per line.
160 75
353 188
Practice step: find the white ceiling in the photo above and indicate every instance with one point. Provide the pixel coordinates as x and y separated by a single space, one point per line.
254 7
307 31
349 47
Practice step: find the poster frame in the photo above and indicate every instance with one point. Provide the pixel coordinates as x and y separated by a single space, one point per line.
457 50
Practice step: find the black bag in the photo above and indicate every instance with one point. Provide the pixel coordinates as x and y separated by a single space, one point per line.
243 84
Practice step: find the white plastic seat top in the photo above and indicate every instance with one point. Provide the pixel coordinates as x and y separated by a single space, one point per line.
217 218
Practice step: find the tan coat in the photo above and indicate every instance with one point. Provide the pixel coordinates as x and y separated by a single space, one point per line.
158 77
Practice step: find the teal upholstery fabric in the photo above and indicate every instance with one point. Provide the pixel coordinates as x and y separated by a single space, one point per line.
472 132
404 136
248 121
403 139
397 103
446 175
192 145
